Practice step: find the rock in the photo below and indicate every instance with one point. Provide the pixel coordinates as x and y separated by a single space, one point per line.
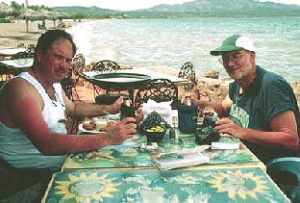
211 89
211 74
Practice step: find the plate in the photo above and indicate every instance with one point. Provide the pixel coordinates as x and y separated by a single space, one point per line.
83 130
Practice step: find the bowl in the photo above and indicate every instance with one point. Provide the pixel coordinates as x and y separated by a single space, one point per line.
155 134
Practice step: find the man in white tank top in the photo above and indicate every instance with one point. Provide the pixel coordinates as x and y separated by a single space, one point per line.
32 104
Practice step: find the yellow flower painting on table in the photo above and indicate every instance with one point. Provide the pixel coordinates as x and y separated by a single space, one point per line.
86 187
245 185
239 184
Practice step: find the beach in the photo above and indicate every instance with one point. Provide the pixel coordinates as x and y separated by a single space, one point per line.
15 33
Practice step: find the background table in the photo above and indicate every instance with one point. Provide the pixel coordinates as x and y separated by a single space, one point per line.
15 66
9 52
119 85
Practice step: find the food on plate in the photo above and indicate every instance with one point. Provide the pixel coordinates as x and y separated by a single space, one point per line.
90 125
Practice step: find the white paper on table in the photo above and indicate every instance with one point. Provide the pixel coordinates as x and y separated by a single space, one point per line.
171 161
225 145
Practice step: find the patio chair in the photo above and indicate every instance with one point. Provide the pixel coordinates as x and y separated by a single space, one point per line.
105 66
28 53
286 174
187 71
71 80
159 90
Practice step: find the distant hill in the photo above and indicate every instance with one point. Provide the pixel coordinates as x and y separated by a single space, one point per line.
79 11
196 8
228 8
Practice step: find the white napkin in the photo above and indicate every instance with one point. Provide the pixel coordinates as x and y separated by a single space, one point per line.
162 108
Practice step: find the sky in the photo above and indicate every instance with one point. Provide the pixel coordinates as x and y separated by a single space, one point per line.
124 5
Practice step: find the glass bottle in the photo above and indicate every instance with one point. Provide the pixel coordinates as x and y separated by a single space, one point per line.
127 110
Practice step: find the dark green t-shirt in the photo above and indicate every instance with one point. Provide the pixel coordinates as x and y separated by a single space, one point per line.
267 96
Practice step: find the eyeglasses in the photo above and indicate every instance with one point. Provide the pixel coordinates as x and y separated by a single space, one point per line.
234 58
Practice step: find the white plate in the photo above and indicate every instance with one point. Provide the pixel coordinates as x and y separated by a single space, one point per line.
83 130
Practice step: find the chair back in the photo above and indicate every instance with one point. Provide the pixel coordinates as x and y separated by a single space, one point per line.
105 66
70 81
187 71
159 90
78 63
28 53
286 173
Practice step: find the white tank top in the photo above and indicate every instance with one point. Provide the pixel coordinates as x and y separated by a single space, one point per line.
17 149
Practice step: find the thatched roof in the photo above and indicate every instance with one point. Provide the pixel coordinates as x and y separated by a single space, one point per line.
41 14
4 8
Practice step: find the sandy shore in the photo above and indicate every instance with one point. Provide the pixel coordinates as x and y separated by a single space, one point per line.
14 33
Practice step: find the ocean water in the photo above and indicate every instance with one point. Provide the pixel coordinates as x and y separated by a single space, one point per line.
168 43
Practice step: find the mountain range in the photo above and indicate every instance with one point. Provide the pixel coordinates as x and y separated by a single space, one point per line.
196 8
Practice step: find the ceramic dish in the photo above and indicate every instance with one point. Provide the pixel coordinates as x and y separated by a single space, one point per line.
83 130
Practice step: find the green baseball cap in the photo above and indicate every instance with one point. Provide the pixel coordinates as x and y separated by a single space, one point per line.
234 43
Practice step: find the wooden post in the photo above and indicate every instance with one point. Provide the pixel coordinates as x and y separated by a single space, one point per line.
26 16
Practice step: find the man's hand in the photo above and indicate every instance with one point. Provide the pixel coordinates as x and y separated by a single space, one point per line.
120 131
115 107
225 125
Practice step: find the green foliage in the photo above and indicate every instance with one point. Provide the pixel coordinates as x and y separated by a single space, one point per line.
15 5
4 20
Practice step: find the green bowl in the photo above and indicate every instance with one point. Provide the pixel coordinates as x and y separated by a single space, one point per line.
155 136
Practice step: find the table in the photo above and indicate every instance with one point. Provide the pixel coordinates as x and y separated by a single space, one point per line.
119 85
9 52
226 185
125 173
15 66
129 155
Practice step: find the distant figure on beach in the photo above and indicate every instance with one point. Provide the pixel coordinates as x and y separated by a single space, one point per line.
33 110
263 112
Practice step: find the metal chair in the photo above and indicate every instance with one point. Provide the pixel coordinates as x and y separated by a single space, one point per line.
159 90
187 71
104 66
70 81
286 173
29 53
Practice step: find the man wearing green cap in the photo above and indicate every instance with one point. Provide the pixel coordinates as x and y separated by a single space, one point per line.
264 112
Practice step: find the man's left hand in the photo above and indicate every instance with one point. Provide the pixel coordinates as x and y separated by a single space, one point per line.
225 125
115 107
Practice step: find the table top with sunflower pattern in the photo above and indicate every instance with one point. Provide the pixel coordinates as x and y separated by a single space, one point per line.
211 185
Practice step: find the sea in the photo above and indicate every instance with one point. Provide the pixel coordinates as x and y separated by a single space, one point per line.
169 43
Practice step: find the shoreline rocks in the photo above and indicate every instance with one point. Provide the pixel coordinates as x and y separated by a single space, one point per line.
211 88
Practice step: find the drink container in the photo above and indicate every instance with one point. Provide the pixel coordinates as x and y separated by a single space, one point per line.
127 110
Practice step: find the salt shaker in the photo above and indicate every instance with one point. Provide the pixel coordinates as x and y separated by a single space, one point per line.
172 133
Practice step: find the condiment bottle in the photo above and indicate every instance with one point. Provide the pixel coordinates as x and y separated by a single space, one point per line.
188 101
127 110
